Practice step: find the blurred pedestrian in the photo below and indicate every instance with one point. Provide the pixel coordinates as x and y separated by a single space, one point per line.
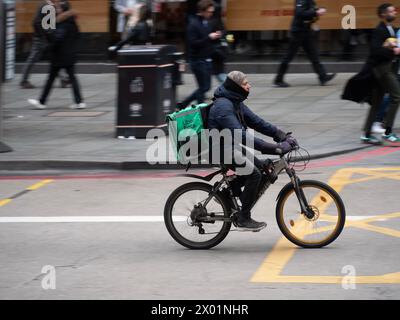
383 60
200 39
139 34
63 56
40 43
302 35
221 47
125 8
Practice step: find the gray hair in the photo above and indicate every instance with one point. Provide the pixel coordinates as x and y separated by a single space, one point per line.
237 76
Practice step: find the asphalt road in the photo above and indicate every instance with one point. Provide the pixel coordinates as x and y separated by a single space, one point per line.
55 244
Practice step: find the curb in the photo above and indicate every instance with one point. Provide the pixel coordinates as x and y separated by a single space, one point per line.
19 165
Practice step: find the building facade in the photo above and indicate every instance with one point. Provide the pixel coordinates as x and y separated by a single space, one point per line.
260 26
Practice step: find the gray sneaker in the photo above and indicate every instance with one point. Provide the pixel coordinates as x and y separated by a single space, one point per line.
391 138
370 139
249 225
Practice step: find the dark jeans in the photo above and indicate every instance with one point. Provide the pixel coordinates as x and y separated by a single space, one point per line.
202 71
383 108
388 82
54 70
306 40
251 181
38 46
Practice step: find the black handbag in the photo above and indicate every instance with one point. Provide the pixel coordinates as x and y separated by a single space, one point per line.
221 49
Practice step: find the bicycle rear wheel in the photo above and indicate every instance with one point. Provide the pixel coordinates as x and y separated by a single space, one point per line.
187 202
311 232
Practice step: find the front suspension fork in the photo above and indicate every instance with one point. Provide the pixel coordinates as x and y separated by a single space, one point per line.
304 206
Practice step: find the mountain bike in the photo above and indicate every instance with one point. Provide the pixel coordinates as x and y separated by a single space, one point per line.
309 213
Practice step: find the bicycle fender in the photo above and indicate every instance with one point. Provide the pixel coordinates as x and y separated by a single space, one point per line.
284 190
206 178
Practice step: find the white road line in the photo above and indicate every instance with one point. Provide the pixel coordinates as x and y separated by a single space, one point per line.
67 219
360 218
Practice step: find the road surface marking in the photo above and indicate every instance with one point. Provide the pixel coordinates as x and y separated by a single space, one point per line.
39 185
69 219
33 187
61 219
4 202
272 267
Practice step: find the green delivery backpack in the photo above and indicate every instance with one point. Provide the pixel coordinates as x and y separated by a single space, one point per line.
186 132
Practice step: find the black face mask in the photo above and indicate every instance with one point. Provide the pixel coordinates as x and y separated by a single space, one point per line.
390 19
233 86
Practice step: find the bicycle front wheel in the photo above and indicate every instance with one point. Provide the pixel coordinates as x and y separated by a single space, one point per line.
326 222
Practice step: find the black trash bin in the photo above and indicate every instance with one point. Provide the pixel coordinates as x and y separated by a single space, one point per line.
147 79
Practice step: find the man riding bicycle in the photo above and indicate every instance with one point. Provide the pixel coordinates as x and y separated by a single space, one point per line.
229 112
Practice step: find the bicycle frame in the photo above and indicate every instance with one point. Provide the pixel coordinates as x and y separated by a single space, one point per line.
280 165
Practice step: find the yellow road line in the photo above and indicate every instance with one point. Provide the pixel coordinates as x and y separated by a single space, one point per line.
33 187
4 202
39 185
386 231
390 278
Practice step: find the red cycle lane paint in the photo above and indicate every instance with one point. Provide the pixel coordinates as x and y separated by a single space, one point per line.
353 158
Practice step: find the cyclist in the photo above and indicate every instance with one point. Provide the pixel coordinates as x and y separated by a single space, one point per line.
229 112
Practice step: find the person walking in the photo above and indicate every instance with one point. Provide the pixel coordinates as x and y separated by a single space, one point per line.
63 56
40 43
125 9
221 47
140 33
383 60
302 35
200 40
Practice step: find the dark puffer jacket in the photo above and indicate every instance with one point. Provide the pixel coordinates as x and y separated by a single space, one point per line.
305 13
229 112
65 43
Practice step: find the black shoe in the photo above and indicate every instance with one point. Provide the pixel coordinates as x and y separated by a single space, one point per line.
281 84
327 78
248 224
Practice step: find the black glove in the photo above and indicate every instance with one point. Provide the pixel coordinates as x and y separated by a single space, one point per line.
280 136
283 147
293 142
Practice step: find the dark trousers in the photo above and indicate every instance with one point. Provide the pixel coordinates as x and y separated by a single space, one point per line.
38 46
387 83
306 40
251 180
54 70
250 191
383 108
202 71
